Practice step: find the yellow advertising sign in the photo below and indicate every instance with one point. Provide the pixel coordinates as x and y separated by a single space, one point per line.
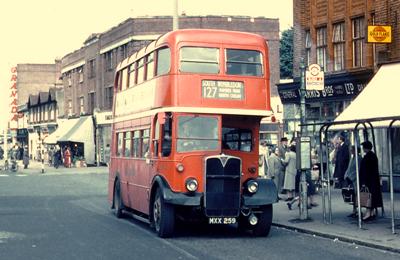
379 34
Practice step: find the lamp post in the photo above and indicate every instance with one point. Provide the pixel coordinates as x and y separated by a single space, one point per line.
175 16
303 210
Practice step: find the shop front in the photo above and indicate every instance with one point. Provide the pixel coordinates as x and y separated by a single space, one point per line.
321 106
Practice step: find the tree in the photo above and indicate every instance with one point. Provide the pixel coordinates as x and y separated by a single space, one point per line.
286 54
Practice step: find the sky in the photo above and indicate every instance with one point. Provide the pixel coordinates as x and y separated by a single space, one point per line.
39 31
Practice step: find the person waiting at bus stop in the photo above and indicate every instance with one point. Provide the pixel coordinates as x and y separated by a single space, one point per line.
369 177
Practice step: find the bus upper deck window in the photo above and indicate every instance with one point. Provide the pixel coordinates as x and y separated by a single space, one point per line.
244 62
199 60
163 61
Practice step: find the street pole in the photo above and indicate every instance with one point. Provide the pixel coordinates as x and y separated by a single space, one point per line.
303 210
175 16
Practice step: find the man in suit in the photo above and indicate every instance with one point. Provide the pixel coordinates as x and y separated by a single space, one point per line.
341 162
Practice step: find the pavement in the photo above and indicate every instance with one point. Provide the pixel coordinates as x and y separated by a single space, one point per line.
375 234
36 168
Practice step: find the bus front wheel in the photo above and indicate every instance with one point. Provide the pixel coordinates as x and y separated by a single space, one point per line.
163 216
117 201
263 227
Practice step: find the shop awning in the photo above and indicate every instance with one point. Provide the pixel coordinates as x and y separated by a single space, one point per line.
63 127
378 99
80 132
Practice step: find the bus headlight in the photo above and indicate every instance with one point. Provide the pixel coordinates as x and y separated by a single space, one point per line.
252 186
192 184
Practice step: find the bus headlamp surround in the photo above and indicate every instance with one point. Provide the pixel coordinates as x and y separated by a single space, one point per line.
191 184
252 186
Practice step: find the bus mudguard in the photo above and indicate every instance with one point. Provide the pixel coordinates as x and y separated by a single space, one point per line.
266 194
176 198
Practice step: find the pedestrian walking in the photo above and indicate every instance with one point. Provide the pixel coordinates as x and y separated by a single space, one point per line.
275 169
290 172
67 157
57 157
369 176
25 158
341 162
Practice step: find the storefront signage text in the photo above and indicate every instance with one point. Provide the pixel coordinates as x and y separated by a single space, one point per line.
13 99
379 34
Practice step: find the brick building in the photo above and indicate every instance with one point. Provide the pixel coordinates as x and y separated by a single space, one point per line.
88 73
33 79
333 34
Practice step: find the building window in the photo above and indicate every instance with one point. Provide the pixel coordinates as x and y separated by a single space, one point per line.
308 48
69 79
338 46
80 74
92 68
108 97
123 50
358 41
321 47
51 111
69 107
92 102
81 105
109 60
46 112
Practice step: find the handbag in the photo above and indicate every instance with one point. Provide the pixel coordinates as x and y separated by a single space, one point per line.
348 194
365 197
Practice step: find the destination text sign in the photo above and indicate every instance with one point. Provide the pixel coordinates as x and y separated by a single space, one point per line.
216 89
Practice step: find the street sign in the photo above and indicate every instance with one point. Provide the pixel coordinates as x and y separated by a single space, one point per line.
314 78
379 34
303 152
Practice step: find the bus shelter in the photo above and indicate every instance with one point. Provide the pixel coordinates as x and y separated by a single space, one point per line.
374 108
356 127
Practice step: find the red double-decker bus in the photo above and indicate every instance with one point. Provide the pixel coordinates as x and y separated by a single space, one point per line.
187 111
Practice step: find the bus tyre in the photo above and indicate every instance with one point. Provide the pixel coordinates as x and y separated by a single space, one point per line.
262 228
163 216
117 201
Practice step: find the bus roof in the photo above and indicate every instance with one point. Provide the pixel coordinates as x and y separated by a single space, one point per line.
212 36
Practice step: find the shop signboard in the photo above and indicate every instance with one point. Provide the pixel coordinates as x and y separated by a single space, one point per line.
314 77
379 34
